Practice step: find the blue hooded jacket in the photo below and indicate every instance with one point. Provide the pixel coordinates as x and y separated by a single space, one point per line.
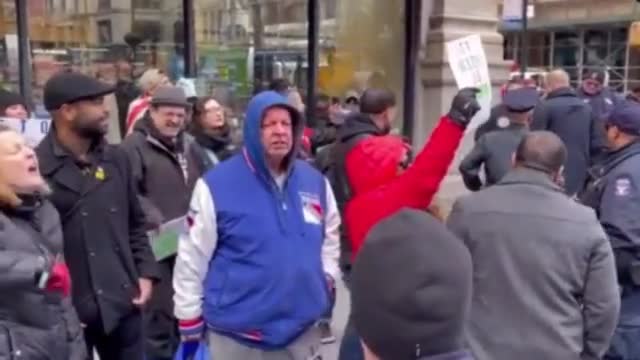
266 285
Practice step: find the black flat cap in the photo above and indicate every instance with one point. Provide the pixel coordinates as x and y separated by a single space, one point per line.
521 100
69 87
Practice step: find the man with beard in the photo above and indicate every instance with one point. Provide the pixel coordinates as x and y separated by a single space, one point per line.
105 246
156 149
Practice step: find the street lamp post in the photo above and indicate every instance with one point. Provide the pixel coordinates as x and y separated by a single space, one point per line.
524 39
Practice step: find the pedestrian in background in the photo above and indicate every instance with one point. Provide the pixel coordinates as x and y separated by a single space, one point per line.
544 280
38 320
212 138
105 240
411 290
157 149
149 82
13 105
613 192
267 224
595 92
566 115
494 150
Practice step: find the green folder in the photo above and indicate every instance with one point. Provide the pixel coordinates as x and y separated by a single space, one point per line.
164 242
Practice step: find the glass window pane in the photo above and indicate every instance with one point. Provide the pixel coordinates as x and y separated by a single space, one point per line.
114 40
363 46
9 71
241 46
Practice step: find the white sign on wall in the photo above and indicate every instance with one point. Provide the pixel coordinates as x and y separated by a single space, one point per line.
469 65
34 130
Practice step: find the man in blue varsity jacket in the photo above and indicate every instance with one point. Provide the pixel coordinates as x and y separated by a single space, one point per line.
255 272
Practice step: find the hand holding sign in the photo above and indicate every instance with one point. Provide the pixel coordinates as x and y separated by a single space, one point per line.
470 69
464 106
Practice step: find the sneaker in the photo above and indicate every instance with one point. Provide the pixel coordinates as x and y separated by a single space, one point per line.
326 332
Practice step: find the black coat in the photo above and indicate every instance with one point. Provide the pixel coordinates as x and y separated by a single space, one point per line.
34 324
498 120
106 245
569 117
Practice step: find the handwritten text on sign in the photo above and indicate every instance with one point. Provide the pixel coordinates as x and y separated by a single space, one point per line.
469 66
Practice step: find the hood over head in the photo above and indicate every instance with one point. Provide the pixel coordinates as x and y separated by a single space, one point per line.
378 158
256 110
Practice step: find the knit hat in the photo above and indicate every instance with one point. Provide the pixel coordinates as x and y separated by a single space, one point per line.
411 288
9 98
171 96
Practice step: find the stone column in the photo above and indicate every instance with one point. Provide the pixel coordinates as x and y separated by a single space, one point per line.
445 20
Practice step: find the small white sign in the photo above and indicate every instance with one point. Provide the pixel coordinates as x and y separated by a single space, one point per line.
34 130
470 69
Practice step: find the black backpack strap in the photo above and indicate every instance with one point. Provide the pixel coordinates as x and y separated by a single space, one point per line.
342 186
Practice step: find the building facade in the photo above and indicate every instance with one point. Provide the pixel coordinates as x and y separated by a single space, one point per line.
579 35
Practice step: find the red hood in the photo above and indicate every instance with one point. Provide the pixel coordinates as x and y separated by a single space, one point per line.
376 159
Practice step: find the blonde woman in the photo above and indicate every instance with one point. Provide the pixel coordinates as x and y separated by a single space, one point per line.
37 320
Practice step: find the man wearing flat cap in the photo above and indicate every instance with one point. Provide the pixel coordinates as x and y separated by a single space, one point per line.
495 149
614 192
106 246
156 150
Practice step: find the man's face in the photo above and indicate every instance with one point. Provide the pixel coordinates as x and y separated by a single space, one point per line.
89 118
277 133
591 86
168 120
389 116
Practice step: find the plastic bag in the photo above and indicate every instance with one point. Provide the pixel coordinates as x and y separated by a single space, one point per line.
192 351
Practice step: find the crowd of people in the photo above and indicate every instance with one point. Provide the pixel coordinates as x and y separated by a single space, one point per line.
539 261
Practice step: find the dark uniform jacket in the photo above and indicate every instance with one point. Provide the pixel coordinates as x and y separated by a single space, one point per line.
34 324
106 246
615 195
569 117
493 150
498 120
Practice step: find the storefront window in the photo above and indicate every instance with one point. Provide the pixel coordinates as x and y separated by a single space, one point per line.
362 46
244 45
108 39
9 70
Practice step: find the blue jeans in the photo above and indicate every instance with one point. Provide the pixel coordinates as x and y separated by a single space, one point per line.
350 347
625 344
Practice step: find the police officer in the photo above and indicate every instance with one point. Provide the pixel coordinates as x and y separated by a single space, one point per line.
614 192
495 149
106 246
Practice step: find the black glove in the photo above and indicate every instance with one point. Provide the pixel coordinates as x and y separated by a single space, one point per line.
464 106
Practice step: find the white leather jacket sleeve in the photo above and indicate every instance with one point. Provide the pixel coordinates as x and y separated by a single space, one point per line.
195 249
331 245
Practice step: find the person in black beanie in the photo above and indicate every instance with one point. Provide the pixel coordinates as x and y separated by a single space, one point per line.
13 105
411 293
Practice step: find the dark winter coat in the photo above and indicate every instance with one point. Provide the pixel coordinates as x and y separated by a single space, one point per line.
34 324
106 246
569 117
160 172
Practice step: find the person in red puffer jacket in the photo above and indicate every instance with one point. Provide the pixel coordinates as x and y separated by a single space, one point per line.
383 183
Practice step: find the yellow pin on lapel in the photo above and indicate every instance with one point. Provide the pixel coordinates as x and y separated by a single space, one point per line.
100 175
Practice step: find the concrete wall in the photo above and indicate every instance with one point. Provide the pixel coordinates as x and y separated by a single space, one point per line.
446 20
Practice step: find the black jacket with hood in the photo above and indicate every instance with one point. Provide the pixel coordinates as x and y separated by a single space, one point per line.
34 324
